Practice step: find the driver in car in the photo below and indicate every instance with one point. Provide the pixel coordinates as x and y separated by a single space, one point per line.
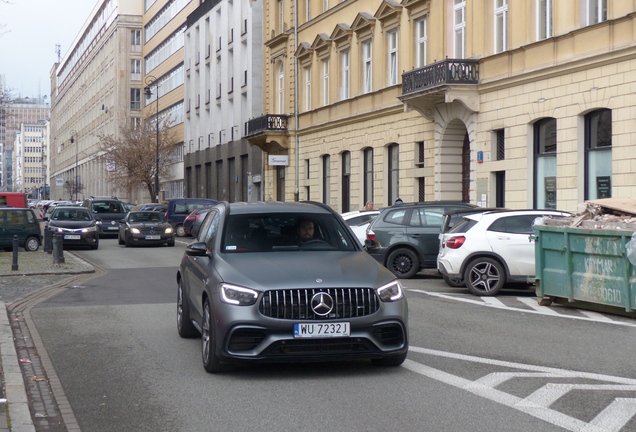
305 231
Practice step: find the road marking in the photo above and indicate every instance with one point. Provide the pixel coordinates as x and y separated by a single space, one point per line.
594 315
543 310
612 419
532 302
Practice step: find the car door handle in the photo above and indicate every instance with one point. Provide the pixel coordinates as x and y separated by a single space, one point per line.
503 238
416 235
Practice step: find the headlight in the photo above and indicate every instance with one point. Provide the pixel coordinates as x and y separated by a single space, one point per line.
89 229
58 229
391 292
135 231
169 230
238 295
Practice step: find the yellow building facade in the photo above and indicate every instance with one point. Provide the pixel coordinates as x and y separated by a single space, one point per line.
524 104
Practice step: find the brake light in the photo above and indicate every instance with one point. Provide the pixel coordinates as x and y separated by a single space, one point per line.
370 235
455 242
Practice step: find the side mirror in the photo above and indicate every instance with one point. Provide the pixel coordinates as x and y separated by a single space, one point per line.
197 249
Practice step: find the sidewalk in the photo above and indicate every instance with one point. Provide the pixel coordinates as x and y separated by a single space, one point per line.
35 272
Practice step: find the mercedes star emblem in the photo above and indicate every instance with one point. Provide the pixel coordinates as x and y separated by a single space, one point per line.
322 304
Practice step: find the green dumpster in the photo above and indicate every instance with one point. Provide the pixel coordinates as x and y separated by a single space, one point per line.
584 265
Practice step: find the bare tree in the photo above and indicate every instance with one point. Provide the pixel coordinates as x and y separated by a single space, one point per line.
134 154
73 189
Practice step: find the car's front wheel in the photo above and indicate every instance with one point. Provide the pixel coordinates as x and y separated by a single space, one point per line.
211 362
184 324
484 276
404 263
31 244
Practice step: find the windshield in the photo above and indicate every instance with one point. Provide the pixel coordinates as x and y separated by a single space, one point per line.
285 232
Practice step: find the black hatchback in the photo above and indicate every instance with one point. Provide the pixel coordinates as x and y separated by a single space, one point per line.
405 237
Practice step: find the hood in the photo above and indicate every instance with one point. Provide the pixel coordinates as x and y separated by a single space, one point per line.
71 224
111 216
149 225
302 269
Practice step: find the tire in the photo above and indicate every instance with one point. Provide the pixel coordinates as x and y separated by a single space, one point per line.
171 243
119 240
95 246
453 282
389 361
211 362
484 276
127 242
31 244
179 231
404 263
185 328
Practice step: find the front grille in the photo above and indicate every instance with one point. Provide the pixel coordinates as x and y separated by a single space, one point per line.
295 304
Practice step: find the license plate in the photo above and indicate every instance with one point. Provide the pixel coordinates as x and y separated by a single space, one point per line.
153 237
72 237
325 330
112 228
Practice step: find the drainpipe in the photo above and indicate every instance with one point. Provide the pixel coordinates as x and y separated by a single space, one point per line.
297 146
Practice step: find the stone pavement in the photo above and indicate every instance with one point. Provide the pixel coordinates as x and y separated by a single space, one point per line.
26 392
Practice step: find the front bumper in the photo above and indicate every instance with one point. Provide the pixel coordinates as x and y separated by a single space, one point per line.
247 335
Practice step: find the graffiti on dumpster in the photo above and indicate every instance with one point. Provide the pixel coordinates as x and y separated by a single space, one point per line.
600 266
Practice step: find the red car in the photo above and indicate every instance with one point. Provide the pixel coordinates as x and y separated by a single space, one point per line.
189 221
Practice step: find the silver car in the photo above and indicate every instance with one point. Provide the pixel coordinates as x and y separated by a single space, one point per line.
287 282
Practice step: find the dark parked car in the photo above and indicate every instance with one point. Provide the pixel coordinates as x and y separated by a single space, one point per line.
76 224
180 208
145 227
23 223
194 231
189 222
405 238
108 211
256 292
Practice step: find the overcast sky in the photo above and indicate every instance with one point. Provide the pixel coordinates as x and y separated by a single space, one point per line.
29 31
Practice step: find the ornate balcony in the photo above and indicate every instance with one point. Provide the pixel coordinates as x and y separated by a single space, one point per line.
440 82
268 131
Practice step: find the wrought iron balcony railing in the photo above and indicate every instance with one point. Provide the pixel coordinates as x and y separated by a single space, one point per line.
268 122
449 71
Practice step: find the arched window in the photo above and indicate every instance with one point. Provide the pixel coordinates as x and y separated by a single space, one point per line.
394 173
545 167
368 174
598 154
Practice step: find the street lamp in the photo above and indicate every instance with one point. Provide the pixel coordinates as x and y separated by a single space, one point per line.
73 133
151 80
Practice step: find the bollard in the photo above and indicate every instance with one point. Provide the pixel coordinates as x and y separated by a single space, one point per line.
48 244
58 249
14 266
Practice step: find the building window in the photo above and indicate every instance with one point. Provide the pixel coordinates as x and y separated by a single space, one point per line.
346 182
598 154
545 164
421 30
367 67
135 98
281 89
325 82
501 25
500 144
307 89
135 40
420 154
368 174
394 173
596 11
544 19
459 28
281 12
344 64
135 69
392 41
326 181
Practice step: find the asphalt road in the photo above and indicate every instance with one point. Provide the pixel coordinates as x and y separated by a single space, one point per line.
476 364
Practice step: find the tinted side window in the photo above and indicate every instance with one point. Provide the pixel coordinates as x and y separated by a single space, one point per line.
30 217
181 208
212 229
15 218
463 226
514 224
395 216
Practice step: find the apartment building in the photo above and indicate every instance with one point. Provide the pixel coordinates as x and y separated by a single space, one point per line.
95 90
523 104
13 115
30 159
223 87
164 24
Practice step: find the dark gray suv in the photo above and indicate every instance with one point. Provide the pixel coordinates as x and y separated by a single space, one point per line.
405 238
108 211
287 282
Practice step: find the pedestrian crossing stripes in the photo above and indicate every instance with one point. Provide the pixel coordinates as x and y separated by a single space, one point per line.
529 304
